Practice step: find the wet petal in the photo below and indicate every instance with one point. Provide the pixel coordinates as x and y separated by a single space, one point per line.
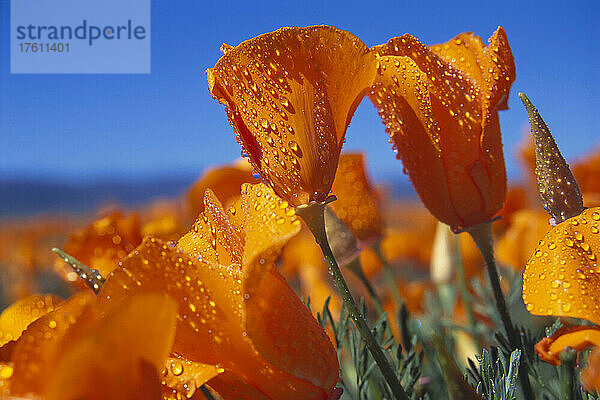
36 350
356 204
268 222
464 51
401 97
231 386
137 335
562 277
293 341
213 237
208 296
447 96
15 318
290 95
213 315
182 376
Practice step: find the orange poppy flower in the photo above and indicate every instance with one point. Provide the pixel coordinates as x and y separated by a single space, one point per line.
102 244
439 105
289 96
228 291
63 354
561 278
586 172
520 240
15 318
356 203
225 182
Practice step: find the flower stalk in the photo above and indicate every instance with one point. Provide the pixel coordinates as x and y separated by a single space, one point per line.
482 236
567 377
313 216
466 295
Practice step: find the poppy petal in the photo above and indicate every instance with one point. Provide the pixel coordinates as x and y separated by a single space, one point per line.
562 277
15 318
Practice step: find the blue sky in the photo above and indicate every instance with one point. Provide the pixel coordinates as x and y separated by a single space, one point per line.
84 126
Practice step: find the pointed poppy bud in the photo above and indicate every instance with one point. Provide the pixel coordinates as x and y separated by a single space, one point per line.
558 188
290 95
439 105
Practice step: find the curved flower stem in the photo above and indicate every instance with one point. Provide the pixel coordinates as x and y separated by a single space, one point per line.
313 216
468 301
567 377
482 236
357 270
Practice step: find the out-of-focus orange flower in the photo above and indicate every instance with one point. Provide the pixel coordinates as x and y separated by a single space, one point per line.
163 219
590 376
79 350
229 290
356 205
102 244
440 107
525 229
586 172
225 182
15 318
290 95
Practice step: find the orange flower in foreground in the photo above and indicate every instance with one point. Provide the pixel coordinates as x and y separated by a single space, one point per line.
356 203
439 105
290 95
562 278
231 297
80 350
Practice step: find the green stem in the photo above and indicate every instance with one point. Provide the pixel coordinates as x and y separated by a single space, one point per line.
466 295
482 236
357 270
567 377
313 216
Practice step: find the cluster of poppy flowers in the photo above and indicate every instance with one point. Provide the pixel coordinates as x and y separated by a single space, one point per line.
172 310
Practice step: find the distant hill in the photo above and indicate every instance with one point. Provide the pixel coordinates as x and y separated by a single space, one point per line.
22 197
26 197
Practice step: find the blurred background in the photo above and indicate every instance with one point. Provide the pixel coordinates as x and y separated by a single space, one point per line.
75 142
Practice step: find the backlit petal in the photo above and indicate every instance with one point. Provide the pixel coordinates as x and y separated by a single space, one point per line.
38 347
119 355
